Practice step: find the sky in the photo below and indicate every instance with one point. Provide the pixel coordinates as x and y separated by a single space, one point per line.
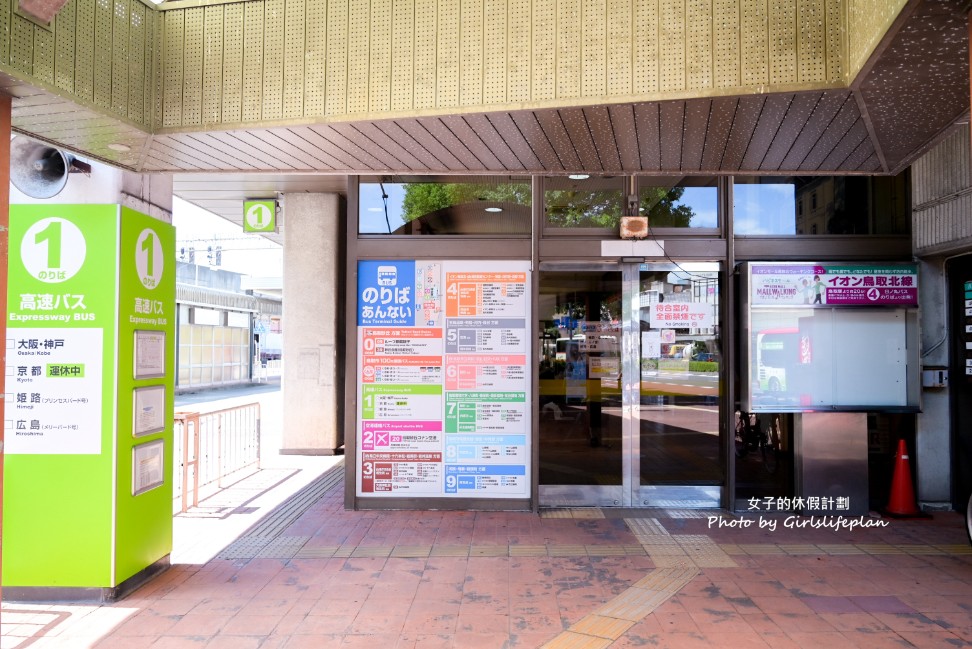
248 254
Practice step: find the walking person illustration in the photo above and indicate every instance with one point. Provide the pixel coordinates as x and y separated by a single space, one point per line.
818 289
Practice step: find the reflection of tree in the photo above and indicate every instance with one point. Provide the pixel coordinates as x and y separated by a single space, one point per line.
425 198
565 208
659 204
568 208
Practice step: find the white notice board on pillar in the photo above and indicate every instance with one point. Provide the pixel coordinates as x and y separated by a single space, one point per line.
443 379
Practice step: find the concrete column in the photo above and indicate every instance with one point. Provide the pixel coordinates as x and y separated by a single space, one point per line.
933 429
313 298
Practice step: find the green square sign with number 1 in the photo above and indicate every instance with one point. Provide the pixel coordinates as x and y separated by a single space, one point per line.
260 216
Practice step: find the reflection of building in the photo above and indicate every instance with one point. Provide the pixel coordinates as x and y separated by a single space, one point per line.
215 341
852 204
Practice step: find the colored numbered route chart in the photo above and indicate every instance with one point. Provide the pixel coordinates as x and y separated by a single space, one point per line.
443 379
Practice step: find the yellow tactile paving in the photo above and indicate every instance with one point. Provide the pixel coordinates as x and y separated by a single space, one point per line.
703 551
528 550
282 547
731 548
673 562
911 548
605 550
566 550
841 548
668 550
800 549
324 552
602 626
686 513
344 552
649 543
647 593
763 548
371 552
450 551
489 551
411 551
956 549
555 513
609 622
879 548
645 527
572 512
571 640
591 512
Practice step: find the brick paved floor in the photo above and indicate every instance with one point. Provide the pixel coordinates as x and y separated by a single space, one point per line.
319 576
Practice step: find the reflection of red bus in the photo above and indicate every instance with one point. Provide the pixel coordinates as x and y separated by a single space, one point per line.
776 351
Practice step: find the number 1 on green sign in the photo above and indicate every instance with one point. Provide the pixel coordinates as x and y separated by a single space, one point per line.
148 247
52 236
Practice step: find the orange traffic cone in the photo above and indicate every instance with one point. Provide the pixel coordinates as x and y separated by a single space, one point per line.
901 501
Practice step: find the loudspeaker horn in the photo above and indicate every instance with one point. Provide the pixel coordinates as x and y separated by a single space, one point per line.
38 170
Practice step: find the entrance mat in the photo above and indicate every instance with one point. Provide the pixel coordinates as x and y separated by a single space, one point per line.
613 619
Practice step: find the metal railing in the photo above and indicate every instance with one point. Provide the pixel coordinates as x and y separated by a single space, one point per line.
210 447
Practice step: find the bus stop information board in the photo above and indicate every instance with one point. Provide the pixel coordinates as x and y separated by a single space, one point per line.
831 336
443 379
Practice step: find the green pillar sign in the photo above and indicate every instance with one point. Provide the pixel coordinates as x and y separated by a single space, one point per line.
260 215
91 303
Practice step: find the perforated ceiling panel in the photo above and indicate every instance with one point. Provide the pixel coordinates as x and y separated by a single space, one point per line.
645 47
782 42
120 56
212 88
698 44
426 21
593 48
403 78
726 37
471 52
232 81
295 46
64 61
379 74
568 49
506 85
315 96
336 80
274 44
520 44
104 19
544 40
754 42
136 64
43 66
252 61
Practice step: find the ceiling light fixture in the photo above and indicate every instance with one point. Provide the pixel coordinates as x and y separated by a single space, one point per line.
579 176
494 209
